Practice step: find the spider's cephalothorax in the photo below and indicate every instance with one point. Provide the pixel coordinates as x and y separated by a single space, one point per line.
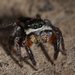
33 23
38 31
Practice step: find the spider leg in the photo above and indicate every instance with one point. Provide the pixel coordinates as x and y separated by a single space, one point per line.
55 42
30 54
58 33
13 51
45 52
18 47
27 45
61 41
56 49
18 52
62 45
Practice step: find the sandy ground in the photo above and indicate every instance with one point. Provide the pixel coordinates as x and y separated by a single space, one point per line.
62 14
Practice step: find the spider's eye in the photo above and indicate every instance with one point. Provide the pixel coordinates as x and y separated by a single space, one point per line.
35 26
40 25
28 25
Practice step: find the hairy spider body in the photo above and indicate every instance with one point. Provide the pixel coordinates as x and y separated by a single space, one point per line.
37 31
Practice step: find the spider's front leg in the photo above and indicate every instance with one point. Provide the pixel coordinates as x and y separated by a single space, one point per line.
63 51
56 49
51 38
27 45
45 52
55 42
15 50
18 48
60 40
41 40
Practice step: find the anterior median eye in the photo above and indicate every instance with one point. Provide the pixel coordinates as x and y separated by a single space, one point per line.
40 25
35 26
28 25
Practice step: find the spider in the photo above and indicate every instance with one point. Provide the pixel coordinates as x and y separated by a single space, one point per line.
39 31
46 34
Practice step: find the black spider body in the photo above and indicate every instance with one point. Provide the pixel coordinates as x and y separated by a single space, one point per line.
37 30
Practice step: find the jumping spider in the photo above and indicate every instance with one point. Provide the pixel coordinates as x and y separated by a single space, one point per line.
38 31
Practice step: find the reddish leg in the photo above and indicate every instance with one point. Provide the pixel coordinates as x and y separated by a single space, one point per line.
29 52
53 40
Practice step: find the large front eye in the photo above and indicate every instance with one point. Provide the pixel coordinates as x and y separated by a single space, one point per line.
28 25
40 25
35 26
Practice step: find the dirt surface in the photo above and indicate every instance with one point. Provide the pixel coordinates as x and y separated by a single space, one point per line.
62 14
